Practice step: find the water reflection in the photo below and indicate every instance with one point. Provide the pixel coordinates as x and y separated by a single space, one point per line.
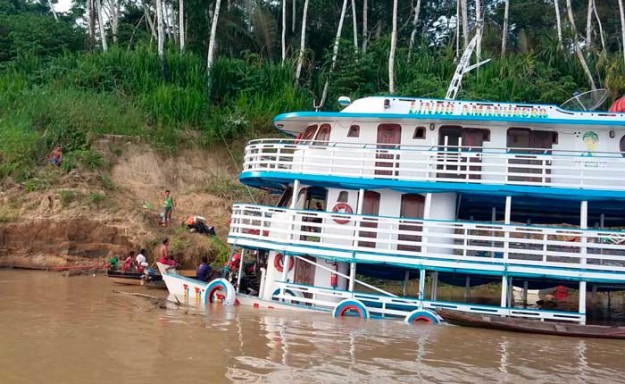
60 330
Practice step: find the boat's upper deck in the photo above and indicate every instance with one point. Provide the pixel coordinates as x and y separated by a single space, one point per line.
440 111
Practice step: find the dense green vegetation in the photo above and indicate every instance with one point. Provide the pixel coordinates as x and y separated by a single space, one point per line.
56 89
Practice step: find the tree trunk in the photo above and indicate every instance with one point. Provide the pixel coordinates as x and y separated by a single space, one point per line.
56 17
355 24
465 22
364 26
589 25
293 16
622 15
504 35
391 56
478 22
457 28
160 31
181 24
302 44
335 53
211 42
149 20
594 7
101 24
283 31
112 7
413 34
91 21
578 50
558 22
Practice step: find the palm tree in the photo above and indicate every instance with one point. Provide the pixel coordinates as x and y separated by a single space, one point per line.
302 44
355 24
504 34
391 56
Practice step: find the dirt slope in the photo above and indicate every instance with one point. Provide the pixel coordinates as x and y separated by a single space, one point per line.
88 216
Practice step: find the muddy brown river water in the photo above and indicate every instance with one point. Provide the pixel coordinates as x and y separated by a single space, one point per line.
56 329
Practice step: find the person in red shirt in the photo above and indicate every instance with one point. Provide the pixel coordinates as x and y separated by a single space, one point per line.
129 262
163 252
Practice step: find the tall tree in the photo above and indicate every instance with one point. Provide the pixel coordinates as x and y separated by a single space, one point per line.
355 25
160 31
302 44
415 19
335 54
56 17
622 15
558 22
391 55
91 21
365 27
504 34
594 7
589 24
578 50
465 22
283 40
478 22
101 24
181 26
211 43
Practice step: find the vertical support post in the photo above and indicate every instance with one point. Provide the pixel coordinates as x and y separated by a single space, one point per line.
525 294
467 288
352 265
286 257
509 299
582 300
406 280
427 215
240 269
583 224
493 218
506 235
434 285
421 287
593 296
504 291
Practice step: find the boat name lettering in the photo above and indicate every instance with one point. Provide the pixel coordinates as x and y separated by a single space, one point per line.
470 109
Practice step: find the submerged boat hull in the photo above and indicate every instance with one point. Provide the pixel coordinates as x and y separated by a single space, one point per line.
136 278
531 326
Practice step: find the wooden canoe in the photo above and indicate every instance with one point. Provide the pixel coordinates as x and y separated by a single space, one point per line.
515 324
135 278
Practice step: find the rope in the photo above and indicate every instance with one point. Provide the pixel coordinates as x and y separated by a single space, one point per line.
235 164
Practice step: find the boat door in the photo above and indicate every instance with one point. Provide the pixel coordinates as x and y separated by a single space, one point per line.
459 146
370 206
389 138
411 207
449 139
472 142
304 272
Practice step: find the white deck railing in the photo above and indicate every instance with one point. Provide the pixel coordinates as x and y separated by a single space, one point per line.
378 238
532 167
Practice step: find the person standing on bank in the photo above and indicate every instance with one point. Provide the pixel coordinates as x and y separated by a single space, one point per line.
168 207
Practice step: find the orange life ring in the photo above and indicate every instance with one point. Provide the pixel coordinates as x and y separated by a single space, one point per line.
342 208
278 262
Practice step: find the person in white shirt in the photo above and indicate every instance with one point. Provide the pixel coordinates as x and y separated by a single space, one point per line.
141 260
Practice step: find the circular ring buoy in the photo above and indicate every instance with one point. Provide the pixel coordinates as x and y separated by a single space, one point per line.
278 262
222 290
348 307
422 316
342 208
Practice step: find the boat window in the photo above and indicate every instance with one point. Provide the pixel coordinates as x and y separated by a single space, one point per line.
389 135
526 138
323 136
308 134
354 131
343 195
419 133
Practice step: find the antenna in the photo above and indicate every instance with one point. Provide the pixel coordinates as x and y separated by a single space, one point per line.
587 101
463 66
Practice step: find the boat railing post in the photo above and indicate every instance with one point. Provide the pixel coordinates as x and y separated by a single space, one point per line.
241 263
583 224
421 287
504 291
507 218
582 301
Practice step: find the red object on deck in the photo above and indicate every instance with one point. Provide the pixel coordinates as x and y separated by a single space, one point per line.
618 105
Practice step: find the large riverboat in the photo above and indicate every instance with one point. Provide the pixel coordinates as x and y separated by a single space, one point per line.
430 191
